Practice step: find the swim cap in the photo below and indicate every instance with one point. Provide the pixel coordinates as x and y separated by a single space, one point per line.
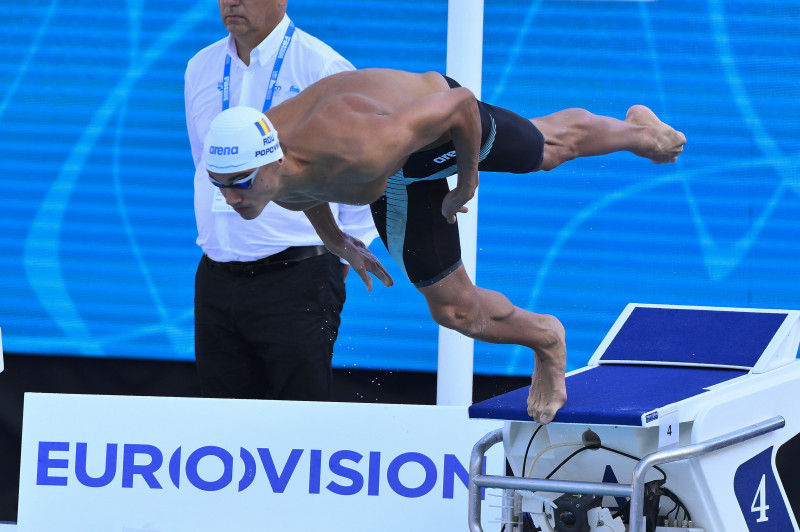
240 138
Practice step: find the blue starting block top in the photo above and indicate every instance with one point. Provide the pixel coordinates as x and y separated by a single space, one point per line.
655 356
612 395
691 336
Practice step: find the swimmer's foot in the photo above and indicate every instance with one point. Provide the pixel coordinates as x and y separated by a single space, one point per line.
665 143
548 391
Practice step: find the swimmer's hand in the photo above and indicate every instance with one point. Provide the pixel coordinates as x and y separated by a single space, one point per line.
347 247
454 202
361 260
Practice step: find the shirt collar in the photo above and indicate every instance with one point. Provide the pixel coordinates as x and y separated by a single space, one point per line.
266 50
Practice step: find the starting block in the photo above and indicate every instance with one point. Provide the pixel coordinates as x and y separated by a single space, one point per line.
685 419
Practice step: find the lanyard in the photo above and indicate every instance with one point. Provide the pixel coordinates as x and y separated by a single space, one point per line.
276 68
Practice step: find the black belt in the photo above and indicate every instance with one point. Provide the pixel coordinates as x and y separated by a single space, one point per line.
286 257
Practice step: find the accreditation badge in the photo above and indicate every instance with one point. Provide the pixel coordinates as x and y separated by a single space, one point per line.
218 202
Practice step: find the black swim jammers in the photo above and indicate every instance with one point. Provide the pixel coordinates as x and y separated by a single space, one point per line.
409 215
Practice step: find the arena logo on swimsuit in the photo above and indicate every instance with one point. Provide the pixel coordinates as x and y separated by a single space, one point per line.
62 462
446 157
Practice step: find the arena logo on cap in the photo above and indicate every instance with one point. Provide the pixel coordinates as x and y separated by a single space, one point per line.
223 150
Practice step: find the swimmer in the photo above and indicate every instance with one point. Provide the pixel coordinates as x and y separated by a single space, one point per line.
389 138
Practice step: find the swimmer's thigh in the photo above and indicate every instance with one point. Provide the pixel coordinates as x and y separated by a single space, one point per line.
410 222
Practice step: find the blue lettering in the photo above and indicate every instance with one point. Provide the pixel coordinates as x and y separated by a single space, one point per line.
356 480
249 469
345 467
373 487
316 471
175 468
393 475
444 158
453 468
45 463
223 150
266 151
80 466
209 485
147 471
279 482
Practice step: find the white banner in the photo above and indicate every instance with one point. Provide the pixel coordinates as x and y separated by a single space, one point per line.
135 464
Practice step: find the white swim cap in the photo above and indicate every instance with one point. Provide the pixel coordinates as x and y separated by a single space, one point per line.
240 138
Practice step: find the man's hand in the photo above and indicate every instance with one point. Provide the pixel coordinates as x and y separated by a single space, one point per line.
454 201
345 246
362 261
454 112
452 205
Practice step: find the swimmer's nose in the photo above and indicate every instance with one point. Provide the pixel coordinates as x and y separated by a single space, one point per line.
232 196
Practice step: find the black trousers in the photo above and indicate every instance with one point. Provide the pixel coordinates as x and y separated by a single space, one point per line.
268 334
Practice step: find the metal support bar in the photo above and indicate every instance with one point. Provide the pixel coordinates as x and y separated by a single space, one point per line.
476 469
507 512
635 490
559 486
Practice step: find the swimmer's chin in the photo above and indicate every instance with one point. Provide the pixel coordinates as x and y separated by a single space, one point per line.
248 213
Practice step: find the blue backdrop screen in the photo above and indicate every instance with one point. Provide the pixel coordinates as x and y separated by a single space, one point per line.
97 239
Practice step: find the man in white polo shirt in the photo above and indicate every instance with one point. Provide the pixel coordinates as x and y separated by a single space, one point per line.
268 295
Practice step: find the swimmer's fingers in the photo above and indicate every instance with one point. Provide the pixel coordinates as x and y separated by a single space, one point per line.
366 278
364 262
451 218
374 267
377 269
452 205
454 201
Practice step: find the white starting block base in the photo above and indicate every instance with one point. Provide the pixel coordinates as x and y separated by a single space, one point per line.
708 395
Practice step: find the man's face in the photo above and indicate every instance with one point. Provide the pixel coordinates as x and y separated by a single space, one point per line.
244 191
251 18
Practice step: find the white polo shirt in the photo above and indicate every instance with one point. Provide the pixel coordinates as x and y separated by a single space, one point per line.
222 234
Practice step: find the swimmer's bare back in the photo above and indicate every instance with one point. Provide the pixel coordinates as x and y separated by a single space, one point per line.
346 134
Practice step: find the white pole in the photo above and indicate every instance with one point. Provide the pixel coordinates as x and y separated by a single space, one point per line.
464 64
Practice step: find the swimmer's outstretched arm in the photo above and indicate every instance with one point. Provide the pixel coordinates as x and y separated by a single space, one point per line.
349 248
